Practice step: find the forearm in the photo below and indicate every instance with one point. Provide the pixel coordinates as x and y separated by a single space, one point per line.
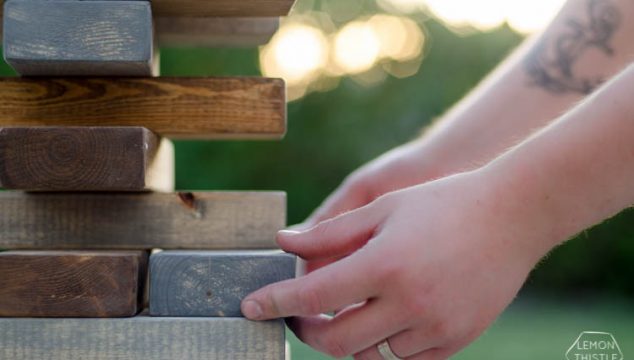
587 42
574 173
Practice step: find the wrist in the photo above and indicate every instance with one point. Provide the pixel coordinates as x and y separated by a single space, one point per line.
527 217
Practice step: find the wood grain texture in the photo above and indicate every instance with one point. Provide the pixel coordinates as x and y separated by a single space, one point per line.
141 338
203 220
212 283
222 8
214 32
203 108
179 32
85 159
71 284
88 38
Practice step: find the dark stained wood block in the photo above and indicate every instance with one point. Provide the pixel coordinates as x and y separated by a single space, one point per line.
87 38
85 159
203 108
212 283
71 284
202 220
214 32
141 338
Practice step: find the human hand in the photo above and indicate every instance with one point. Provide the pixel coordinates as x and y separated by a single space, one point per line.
404 166
427 268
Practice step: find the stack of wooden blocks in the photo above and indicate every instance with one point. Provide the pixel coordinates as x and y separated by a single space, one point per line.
85 155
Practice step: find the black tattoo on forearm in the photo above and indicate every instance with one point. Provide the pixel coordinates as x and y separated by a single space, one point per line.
551 64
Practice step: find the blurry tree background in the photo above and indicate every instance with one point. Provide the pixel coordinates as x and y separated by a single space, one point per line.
357 93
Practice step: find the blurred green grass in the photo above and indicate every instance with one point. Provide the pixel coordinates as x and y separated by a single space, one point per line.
534 329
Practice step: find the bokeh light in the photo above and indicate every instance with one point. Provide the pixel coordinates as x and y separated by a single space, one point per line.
400 38
318 44
356 47
295 53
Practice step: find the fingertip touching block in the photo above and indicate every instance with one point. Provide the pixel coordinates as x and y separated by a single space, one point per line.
212 283
85 38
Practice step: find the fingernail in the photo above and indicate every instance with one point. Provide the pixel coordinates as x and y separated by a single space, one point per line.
288 232
252 310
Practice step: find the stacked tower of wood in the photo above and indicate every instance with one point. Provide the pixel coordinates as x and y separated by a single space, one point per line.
88 166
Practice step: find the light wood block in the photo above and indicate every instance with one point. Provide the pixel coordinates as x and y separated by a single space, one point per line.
85 159
141 338
212 283
202 220
87 38
215 32
203 108
71 284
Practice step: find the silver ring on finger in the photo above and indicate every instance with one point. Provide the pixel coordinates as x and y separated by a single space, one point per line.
386 351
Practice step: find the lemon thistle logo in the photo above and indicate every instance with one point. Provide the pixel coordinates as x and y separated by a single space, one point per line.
594 345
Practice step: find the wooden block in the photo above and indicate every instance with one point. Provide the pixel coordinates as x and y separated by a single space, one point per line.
71 284
211 32
214 32
85 159
212 283
88 38
204 220
203 108
221 8
141 338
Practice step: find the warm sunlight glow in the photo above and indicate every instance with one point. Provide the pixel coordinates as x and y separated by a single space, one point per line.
356 47
523 15
531 16
295 53
400 38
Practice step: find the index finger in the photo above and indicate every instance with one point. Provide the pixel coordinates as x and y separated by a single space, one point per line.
346 282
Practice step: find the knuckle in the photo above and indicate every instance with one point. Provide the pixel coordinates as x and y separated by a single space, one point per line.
309 300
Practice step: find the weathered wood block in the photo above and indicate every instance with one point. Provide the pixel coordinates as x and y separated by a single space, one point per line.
203 220
85 159
70 37
71 284
203 108
141 338
213 283
214 32
222 8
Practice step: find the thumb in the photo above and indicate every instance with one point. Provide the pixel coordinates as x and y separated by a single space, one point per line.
335 237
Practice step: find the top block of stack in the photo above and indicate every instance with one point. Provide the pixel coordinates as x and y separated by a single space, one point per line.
70 37
218 8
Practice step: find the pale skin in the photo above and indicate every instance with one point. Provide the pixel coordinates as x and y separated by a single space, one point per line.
429 265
